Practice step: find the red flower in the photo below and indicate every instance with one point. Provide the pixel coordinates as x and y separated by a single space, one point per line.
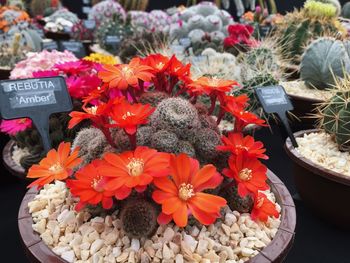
237 144
182 194
135 169
263 208
158 62
128 116
249 173
211 85
89 186
230 42
177 69
124 76
57 165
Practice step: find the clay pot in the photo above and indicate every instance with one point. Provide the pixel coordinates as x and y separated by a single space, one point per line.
10 164
57 36
276 251
325 192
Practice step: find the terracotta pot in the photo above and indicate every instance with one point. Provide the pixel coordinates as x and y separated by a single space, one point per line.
276 251
326 192
10 164
4 73
303 109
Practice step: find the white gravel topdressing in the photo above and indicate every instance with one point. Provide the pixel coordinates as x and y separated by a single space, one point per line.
18 153
321 149
298 88
77 237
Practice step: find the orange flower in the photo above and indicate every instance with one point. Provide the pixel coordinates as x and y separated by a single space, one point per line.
181 193
249 173
157 61
210 85
89 187
133 170
126 75
177 69
57 165
263 208
237 144
94 113
128 116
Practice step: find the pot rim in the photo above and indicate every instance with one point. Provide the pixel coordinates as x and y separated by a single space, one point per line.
274 252
311 166
9 163
306 99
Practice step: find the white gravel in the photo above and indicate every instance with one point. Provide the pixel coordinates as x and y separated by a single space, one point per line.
298 88
321 148
77 237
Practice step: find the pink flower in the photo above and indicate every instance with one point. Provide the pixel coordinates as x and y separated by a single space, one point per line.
80 87
45 73
12 127
72 67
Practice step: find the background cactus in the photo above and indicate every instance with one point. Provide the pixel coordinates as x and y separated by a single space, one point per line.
10 16
139 218
324 60
334 115
30 38
335 3
203 24
134 4
345 12
44 7
106 10
154 21
300 28
11 52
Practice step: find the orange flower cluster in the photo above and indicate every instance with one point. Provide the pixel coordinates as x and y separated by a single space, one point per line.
176 183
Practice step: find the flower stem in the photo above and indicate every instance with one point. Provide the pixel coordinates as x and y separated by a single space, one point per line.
220 115
132 138
213 103
108 136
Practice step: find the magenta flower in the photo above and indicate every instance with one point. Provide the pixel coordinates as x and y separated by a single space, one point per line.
72 67
45 73
12 127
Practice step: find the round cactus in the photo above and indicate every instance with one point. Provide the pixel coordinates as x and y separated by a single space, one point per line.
206 140
335 3
176 115
236 202
345 12
324 60
106 10
139 218
153 98
164 141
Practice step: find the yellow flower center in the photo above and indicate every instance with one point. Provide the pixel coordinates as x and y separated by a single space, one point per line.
214 82
56 168
186 191
21 121
95 184
245 174
127 72
135 166
92 110
128 114
260 202
160 65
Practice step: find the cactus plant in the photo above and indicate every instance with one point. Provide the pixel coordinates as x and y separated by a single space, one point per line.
335 3
30 38
154 21
11 52
334 115
134 4
324 60
106 10
203 24
44 7
11 15
345 12
300 28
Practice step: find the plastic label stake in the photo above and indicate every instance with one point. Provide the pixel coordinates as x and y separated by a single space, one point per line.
75 47
36 99
274 99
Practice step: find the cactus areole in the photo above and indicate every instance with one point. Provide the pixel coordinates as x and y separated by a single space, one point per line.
36 99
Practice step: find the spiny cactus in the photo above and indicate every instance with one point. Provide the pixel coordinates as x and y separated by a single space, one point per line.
300 28
10 16
215 64
324 60
206 140
106 10
345 12
176 115
335 116
134 4
164 141
335 3
234 201
91 142
43 7
319 10
139 218
30 38
153 98
12 52
113 28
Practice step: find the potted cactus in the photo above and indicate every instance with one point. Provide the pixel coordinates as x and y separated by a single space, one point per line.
153 180
324 62
326 168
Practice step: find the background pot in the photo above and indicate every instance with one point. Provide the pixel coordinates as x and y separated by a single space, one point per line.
10 164
326 192
4 73
276 251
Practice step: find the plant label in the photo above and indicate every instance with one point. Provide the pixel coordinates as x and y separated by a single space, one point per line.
89 24
36 99
274 99
113 41
49 45
76 47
